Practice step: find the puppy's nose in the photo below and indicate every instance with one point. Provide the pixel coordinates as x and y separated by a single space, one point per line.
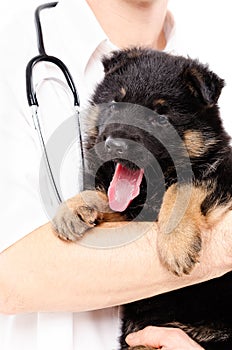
116 147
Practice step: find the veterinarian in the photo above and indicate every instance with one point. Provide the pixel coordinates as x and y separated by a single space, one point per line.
49 289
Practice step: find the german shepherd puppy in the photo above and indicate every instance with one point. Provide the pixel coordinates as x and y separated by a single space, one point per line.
156 149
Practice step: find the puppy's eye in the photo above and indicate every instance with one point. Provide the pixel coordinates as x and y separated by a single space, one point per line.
162 109
162 119
158 119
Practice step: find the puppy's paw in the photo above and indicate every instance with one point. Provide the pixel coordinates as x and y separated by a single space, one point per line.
79 214
179 251
70 224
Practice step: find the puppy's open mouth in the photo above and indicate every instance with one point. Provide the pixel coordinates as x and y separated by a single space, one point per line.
124 187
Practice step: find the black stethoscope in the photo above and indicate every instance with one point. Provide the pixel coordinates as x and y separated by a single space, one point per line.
31 94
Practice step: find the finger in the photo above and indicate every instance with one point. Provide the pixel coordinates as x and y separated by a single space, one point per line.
149 336
162 337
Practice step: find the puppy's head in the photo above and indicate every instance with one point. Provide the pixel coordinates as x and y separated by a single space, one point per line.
153 108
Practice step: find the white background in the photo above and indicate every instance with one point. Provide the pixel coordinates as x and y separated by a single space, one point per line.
205 24
208 21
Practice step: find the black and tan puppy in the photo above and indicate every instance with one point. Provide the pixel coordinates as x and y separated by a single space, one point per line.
156 149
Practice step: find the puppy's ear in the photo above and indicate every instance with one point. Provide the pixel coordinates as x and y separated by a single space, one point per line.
118 59
203 83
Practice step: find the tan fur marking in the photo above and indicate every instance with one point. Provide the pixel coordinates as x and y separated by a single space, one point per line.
80 213
89 118
160 101
180 221
123 91
194 143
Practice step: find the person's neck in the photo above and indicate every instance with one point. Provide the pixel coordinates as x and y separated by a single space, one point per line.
130 23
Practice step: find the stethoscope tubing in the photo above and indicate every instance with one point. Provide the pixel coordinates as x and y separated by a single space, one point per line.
31 94
38 27
35 117
32 98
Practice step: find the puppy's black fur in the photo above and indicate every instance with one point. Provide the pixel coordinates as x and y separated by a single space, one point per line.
159 112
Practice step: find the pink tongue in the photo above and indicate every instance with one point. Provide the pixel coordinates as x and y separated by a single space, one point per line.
124 187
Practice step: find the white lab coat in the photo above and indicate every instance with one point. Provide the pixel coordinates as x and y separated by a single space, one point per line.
22 206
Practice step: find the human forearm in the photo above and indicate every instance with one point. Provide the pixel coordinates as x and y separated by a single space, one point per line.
42 273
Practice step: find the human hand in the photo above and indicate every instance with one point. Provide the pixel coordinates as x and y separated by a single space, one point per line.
162 338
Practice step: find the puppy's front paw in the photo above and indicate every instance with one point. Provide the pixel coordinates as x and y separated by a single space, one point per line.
180 222
179 250
79 214
70 224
